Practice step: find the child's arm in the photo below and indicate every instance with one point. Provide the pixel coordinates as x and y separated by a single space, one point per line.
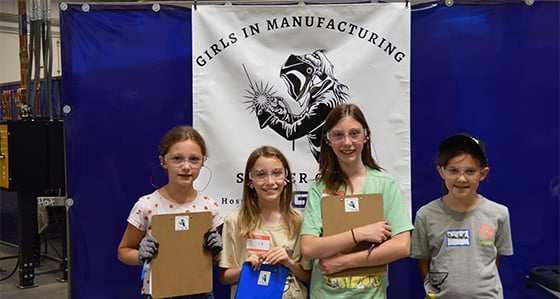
299 272
128 248
424 267
229 275
279 256
389 251
315 247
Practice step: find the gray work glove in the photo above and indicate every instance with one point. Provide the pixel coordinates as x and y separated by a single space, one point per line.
213 242
148 247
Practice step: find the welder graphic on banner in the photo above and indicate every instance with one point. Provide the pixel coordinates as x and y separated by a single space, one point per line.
310 81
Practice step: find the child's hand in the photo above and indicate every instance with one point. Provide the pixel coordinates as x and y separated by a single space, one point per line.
148 247
213 242
377 232
277 256
332 264
255 260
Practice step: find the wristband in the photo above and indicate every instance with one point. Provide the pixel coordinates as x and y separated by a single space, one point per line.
353 236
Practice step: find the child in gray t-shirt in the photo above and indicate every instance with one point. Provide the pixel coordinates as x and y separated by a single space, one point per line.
459 238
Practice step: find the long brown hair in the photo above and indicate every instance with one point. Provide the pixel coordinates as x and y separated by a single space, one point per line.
329 168
249 216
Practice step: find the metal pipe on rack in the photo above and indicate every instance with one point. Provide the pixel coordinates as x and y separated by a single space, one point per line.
47 56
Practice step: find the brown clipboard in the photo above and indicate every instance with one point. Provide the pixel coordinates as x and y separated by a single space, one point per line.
181 266
342 213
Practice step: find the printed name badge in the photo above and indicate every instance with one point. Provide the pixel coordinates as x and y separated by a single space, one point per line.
458 237
258 243
181 223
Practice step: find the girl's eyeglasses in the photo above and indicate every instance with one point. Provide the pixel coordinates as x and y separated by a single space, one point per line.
454 172
355 135
195 161
261 175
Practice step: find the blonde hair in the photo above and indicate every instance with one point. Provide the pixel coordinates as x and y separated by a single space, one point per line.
249 215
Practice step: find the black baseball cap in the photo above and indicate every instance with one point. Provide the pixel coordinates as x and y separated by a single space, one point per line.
476 145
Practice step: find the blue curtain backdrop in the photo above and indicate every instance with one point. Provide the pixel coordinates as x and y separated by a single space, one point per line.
492 70
127 73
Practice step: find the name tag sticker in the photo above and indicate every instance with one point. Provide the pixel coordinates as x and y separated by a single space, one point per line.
258 243
459 237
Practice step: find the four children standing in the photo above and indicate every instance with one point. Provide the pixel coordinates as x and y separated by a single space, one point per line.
457 238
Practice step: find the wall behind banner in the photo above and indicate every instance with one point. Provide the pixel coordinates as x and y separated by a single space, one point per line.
492 70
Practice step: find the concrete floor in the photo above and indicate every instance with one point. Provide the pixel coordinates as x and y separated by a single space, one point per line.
47 274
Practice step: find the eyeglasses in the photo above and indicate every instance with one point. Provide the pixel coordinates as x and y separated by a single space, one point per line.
262 175
195 161
454 172
355 135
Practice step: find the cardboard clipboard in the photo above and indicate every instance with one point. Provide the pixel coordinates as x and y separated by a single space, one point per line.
182 266
342 213
266 283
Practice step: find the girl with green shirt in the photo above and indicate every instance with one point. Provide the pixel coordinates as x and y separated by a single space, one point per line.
347 167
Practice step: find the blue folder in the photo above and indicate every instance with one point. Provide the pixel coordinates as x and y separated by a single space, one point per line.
266 283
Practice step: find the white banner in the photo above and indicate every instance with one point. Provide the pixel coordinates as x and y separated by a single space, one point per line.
295 63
